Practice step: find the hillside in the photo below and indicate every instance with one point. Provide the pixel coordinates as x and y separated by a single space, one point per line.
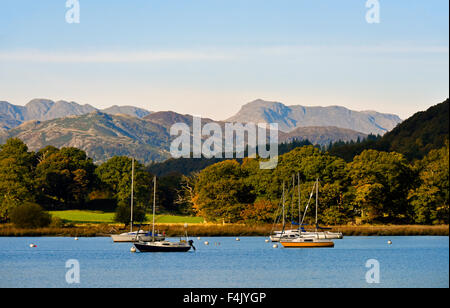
321 135
422 132
99 134
414 137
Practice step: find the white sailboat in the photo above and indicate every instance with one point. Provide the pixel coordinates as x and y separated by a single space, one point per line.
277 236
307 239
133 236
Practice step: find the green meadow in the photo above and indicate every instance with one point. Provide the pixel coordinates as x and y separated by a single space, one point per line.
84 216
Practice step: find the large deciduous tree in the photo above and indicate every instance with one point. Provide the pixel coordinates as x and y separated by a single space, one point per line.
64 178
382 181
430 199
115 174
221 192
16 176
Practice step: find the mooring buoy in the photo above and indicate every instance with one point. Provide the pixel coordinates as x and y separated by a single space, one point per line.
133 249
275 246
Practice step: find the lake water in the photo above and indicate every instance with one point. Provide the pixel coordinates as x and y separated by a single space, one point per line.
411 261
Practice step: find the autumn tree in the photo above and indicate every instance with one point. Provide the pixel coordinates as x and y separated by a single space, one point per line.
262 211
221 192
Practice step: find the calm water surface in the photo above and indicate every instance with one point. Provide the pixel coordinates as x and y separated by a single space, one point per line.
410 261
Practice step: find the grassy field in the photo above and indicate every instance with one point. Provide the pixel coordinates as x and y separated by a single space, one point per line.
78 216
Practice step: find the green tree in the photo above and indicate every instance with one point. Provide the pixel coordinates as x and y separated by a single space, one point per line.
382 181
334 208
64 178
430 199
123 213
16 176
115 175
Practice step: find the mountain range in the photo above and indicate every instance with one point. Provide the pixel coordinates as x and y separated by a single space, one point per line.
43 109
133 131
291 117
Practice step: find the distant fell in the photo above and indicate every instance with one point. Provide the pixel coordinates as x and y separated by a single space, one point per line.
44 109
101 135
291 117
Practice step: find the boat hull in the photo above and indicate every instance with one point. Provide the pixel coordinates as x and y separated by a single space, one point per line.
161 248
323 244
316 235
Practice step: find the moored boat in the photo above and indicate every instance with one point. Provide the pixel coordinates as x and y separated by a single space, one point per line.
291 234
133 236
141 235
302 242
278 236
162 246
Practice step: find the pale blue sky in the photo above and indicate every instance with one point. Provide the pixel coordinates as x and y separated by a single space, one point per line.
208 57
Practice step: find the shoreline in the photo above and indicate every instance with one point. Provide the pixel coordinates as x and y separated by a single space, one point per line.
216 230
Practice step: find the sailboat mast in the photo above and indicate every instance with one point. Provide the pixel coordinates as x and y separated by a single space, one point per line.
293 196
132 194
317 199
299 210
283 208
154 207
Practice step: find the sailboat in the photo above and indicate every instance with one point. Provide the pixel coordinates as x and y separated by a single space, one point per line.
319 232
132 236
305 240
276 236
162 246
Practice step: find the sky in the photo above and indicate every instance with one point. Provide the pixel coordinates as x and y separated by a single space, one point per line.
209 57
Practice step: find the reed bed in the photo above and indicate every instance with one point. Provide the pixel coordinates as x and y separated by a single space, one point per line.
91 230
94 230
391 230
264 230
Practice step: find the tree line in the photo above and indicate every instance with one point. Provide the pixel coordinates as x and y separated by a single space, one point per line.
374 187
66 178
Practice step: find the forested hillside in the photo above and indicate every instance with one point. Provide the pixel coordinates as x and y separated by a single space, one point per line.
414 137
